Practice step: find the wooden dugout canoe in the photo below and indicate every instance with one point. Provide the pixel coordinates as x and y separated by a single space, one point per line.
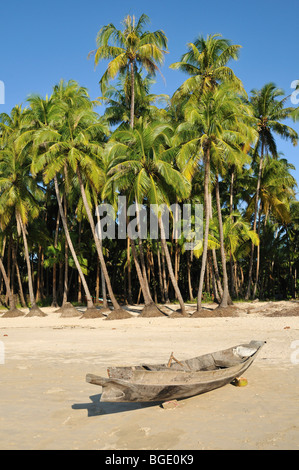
160 382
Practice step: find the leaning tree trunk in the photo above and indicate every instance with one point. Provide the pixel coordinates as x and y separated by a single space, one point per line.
160 272
254 222
150 309
71 246
189 264
66 263
129 271
132 108
34 310
98 245
231 207
206 236
12 306
170 269
54 295
15 262
141 255
214 259
225 297
258 254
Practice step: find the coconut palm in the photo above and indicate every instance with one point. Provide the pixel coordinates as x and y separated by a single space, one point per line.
13 311
277 191
117 100
217 131
206 63
127 49
144 169
72 143
268 110
20 196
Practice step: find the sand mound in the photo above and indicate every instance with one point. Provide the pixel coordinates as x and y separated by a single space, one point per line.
119 314
15 312
93 312
68 310
286 312
218 312
178 314
35 312
151 310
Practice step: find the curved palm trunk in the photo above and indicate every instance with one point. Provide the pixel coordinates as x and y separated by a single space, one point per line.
218 285
132 108
258 255
130 298
143 283
97 242
254 222
66 262
189 264
30 283
231 204
141 256
206 236
54 298
142 280
170 269
70 244
225 297
160 273
15 262
7 285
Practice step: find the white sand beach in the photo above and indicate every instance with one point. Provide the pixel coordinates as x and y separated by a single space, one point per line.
47 404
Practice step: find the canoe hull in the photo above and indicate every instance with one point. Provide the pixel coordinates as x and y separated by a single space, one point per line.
166 383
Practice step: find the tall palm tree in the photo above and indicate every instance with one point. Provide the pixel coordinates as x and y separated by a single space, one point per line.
13 311
75 144
206 63
277 191
42 117
216 134
268 111
127 49
117 100
145 170
20 196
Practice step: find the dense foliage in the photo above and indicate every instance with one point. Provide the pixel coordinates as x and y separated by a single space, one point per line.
210 143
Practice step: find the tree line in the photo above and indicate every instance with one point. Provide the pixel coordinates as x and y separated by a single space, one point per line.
209 143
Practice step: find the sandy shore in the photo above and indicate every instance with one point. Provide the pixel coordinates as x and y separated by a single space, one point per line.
47 404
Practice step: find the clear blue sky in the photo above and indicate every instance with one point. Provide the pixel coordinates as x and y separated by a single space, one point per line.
44 41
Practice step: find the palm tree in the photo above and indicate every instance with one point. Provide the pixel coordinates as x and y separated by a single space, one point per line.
144 169
268 112
13 311
206 63
20 196
117 100
75 144
41 118
127 49
277 191
216 135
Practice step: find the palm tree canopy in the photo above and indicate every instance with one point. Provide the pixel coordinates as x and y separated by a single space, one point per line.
131 45
206 63
269 110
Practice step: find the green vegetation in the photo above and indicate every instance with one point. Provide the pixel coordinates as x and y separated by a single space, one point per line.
210 143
